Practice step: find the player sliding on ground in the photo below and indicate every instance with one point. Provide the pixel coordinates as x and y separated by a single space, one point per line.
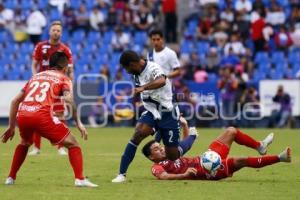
34 108
190 168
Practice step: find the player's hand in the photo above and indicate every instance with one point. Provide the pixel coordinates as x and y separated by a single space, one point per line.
138 90
8 134
183 121
190 172
83 131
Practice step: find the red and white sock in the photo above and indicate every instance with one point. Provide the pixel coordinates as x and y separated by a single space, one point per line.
243 139
76 160
18 159
258 162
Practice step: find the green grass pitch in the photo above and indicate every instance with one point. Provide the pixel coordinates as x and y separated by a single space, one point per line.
49 176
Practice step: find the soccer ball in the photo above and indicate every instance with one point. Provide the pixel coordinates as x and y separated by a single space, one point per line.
211 161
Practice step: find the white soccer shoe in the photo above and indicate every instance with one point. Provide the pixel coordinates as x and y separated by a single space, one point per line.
61 151
119 179
9 181
35 151
262 150
193 131
84 183
286 155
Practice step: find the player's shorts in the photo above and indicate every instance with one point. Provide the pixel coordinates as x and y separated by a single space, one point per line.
219 147
168 126
59 107
43 124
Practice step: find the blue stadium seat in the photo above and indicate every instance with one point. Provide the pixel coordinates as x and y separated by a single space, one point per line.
275 75
75 3
107 37
294 57
264 67
54 14
78 36
261 57
93 37
186 47
202 47
140 38
277 56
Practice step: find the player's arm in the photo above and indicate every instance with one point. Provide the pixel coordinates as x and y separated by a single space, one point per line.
159 82
14 106
175 73
185 127
190 172
70 72
34 66
68 97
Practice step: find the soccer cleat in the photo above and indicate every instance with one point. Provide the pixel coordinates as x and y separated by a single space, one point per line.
35 151
61 151
119 179
286 155
262 150
9 181
193 131
84 183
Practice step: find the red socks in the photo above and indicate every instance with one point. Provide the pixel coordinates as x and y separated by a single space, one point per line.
243 139
258 162
18 159
37 140
75 157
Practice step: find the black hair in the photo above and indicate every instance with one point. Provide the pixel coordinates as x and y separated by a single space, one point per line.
146 149
129 56
156 32
58 60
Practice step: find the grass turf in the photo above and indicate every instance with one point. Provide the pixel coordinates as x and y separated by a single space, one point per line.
49 176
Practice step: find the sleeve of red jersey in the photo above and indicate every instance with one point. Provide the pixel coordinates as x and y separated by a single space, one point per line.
69 55
157 170
37 52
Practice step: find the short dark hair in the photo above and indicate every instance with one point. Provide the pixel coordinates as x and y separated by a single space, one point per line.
58 60
57 22
129 56
156 32
146 149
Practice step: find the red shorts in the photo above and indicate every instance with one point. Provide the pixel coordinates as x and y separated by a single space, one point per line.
220 148
43 124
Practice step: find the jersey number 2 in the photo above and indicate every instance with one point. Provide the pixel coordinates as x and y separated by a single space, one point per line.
40 97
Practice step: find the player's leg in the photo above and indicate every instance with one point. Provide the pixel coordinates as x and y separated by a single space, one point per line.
21 150
259 162
233 134
59 112
142 131
36 145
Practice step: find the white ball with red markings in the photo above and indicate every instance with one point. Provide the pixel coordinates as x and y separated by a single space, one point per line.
211 161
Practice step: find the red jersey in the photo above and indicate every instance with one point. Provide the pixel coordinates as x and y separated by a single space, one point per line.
43 51
180 166
43 91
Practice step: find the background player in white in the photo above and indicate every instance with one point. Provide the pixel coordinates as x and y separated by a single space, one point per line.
156 94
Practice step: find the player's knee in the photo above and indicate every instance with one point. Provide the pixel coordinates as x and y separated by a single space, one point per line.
70 141
172 155
26 143
138 137
231 130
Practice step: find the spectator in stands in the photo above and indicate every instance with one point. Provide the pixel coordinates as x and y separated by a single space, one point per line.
59 4
83 19
243 7
112 18
228 85
190 65
280 117
236 45
227 14
257 26
97 20
200 75
283 39
6 18
212 60
36 21
127 17
220 37
268 32
123 111
241 26
169 11
205 28
69 20
120 40
99 113
143 18
275 16
295 16
19 25
251 109
295 37
104 71
230 59
259 6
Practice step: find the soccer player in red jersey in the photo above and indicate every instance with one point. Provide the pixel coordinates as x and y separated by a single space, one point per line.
190 168
42 52
31 109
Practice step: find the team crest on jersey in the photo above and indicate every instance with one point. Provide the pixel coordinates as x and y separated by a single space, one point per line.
45 48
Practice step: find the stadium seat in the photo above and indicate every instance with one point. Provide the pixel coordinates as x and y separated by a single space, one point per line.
202 47
277 56
54 14
294 57
140 38
93 37
78 36
107 37
261 57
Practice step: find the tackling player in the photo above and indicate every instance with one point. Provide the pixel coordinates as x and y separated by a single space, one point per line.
161 115
190 168
40 62
32 110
